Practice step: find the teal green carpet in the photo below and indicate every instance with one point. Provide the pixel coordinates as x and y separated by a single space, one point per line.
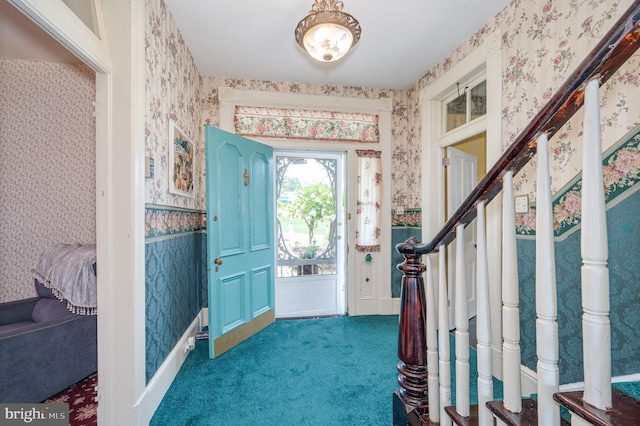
630 388
329 371
320 372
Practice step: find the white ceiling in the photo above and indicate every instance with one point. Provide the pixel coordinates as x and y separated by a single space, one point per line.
254 39
401 40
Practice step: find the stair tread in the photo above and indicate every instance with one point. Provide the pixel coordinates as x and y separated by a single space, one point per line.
461 420
528 416
625 411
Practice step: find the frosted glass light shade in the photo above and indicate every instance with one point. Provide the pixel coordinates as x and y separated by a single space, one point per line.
327 33
328 42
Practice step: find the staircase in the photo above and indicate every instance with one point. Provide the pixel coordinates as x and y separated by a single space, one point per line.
425 385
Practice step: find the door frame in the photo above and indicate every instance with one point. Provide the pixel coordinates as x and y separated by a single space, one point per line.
382 302
341 216
119 192
488 58
469 234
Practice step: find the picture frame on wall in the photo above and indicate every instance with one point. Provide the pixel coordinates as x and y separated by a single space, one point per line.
182 153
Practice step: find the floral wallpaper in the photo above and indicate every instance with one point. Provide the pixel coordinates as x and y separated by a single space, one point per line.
542 41
410 218
621 168
162 221
560 35
402 156
48 155
172 90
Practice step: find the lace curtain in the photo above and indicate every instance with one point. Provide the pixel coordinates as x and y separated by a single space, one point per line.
306 124
368 202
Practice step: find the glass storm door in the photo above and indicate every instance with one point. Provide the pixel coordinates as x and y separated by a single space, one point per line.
310 268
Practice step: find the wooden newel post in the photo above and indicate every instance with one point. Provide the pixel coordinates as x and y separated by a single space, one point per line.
410 400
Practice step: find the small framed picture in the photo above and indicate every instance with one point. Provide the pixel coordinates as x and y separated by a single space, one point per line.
182 152
522 204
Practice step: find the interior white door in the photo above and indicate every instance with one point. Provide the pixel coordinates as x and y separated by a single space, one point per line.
462 177
310 271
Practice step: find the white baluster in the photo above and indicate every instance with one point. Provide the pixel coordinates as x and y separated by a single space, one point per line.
483 324
462 326
432 344
596 328
510 310
546 296
444 353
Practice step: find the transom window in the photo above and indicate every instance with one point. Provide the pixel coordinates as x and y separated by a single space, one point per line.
467 103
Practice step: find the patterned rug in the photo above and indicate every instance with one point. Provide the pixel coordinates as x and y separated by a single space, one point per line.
81 398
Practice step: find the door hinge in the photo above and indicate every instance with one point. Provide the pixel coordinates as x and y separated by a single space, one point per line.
446 162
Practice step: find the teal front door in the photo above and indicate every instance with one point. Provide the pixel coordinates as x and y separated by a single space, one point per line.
240 247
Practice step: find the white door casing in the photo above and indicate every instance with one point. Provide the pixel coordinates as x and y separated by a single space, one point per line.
487 57
363 297
120 98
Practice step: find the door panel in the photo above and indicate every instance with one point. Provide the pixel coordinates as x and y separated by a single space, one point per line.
260 184
228 205
260 291
231 292
462 178
240 248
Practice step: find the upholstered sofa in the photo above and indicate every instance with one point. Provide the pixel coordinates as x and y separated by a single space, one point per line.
44 348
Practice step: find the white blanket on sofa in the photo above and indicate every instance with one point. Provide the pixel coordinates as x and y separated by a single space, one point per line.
68 270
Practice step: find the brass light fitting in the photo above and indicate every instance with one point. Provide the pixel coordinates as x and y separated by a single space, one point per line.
327 33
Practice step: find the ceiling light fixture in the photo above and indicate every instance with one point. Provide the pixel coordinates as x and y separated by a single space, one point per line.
327 33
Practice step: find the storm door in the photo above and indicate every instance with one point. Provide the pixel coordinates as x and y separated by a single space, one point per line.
310 229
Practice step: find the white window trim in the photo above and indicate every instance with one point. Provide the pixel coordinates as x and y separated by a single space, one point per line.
470 124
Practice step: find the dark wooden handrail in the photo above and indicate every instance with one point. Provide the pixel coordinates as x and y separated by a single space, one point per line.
604 60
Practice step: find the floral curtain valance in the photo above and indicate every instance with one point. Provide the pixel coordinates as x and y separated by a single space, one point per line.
306 124
369 197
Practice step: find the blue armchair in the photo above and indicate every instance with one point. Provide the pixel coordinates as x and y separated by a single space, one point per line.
44 348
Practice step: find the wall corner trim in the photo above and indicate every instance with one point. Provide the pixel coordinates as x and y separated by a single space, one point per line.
159 384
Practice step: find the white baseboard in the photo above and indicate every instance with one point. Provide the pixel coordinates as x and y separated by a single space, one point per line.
389 305
496 362
204 318
530 382
578 386
395 305
157 387
628 378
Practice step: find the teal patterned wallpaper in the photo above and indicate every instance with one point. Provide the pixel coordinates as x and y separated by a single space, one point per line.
175 266
623 225
400 235
404 225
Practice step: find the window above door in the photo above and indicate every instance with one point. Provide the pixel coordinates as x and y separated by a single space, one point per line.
466 103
